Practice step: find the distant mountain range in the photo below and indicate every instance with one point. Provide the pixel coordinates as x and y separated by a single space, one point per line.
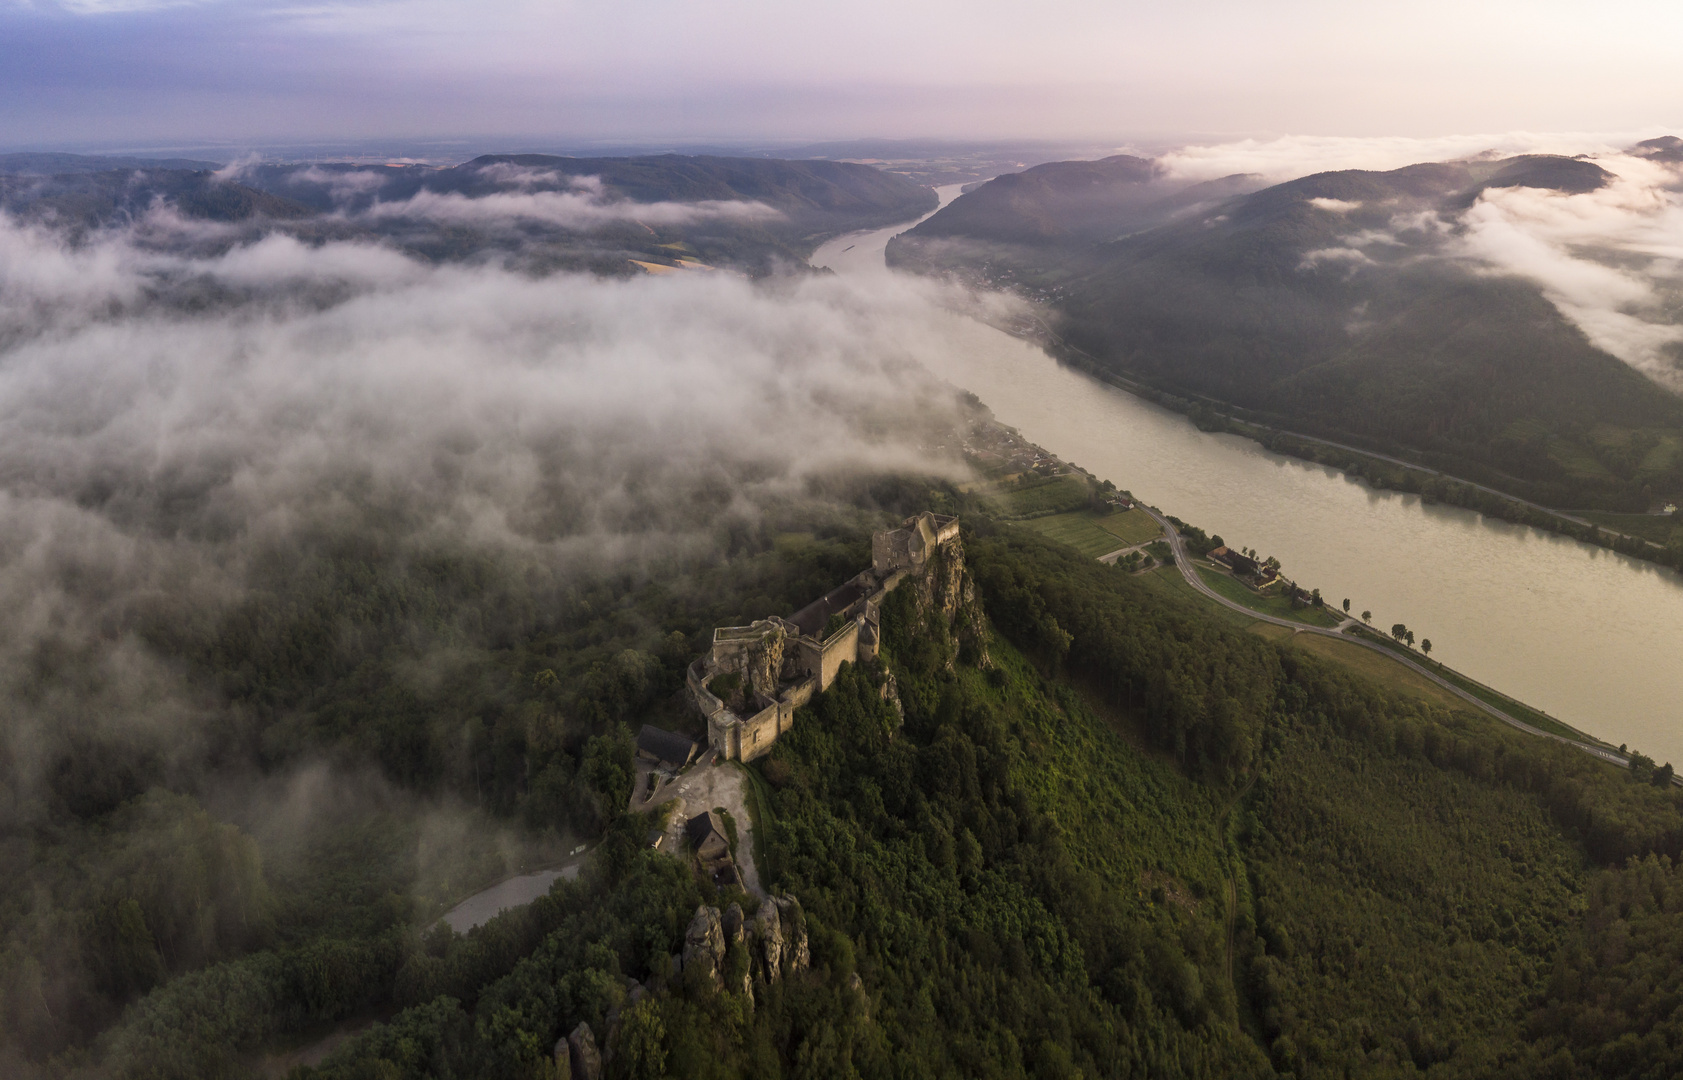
606 215
1354 305
58 164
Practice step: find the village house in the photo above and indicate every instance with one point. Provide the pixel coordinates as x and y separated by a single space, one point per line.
749 684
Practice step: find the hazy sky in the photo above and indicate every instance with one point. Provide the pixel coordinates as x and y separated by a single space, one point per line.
141 72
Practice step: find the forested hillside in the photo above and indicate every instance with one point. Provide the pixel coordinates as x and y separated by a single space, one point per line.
1389 309
1109 837
610 216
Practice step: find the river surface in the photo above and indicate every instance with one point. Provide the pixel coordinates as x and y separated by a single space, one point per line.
1588 636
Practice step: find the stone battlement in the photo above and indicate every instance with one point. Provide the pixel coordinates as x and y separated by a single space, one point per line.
749 684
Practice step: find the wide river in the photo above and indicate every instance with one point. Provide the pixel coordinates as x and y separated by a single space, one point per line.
1586 635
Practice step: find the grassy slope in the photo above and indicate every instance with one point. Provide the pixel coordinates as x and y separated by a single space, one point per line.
1277 606
1652 527
1061 495
1096 534
1079 531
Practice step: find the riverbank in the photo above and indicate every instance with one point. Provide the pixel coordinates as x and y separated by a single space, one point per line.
1381 471
1573 629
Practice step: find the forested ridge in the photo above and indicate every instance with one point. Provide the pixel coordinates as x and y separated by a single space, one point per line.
1335 304
1110 836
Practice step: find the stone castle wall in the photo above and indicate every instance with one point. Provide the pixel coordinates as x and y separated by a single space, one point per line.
782 667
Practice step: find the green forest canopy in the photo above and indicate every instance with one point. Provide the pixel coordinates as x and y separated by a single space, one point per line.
1112 838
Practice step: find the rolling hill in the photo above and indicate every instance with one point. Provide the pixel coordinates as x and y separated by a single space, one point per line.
604 215
1351 305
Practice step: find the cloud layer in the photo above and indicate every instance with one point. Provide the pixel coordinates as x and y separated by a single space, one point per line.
1610 260
574 210
166 420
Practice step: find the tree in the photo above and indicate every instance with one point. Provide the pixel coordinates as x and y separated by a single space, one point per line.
1367 617
1408 635
1315 597
1346 605
1398 630
1426 646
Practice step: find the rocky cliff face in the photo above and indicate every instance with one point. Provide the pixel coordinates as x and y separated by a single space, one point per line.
765 664
775 944
704 946
946 586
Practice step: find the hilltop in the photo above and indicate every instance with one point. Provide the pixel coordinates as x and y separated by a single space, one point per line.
1343 304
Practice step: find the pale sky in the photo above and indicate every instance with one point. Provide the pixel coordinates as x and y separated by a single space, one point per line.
149 72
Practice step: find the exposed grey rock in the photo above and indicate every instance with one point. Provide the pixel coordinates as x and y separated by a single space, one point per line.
732 924
769 932
704 943
857 986
586 1062
563 1059
797 955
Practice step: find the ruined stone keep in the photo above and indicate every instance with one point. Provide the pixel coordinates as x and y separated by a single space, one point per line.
749 684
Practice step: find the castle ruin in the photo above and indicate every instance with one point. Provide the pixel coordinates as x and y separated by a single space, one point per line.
749 684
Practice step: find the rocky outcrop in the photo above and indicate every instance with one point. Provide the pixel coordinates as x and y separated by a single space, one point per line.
947 587
890 691
768 932
586 1062
797 956
765 664
780 931
775 944
704 944
563 1059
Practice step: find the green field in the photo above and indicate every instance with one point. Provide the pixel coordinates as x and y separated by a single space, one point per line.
1277 606
1062 494
1130 526
1079 530
1648 526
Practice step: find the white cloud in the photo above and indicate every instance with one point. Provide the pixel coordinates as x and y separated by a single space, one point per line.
165 419
1607 259
586 209
1292 156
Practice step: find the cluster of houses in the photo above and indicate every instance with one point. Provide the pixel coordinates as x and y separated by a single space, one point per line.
992 446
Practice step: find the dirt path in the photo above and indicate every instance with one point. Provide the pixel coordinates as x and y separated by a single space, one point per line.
1231 883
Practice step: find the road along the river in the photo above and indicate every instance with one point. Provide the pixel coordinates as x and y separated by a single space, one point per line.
1183 562
1571 629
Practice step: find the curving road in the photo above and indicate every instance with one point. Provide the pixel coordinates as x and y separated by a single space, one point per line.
1183 560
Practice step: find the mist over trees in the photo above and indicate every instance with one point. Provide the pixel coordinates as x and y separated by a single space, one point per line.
339 579
1501 318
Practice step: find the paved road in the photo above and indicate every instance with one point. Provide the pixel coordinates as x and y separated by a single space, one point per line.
482 907
1183 560
1112 556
